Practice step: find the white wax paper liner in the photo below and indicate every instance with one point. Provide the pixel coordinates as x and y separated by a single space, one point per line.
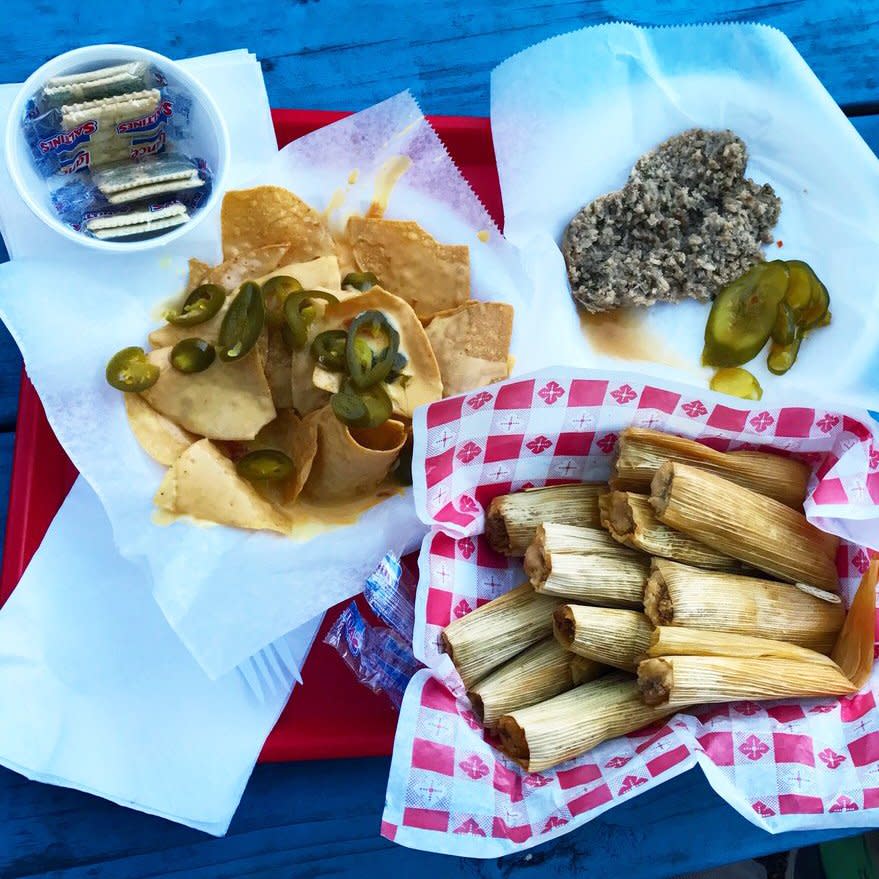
571 115
228 592
784 766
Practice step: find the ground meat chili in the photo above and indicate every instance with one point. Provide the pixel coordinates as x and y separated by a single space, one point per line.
686 223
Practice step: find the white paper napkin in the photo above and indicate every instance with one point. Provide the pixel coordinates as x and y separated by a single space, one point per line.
98 693
227 592
572 114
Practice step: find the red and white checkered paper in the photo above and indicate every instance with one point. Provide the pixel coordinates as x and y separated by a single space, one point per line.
785 766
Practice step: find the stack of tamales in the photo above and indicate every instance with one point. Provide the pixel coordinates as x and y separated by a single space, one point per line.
694 577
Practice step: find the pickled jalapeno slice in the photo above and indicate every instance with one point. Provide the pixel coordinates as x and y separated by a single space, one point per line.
130 371
368 371
299 314
328 348
242 323
355 408
361 281
192 355
201 305
275 292
264 465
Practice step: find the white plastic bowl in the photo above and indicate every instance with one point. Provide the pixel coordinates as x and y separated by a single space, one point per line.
209 135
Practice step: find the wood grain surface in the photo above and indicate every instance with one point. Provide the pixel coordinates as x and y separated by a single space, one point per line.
322 819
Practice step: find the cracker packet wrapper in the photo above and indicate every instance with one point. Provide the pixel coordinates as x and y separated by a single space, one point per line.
789 765
228 592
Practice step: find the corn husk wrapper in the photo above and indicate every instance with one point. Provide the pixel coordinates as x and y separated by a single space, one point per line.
681 641
532 676
226 401
854 650
585 564
551 732
610 636
629 518
745 525
490 635
584 669
640 453
350 463
676 681
203 483
512 519
678 595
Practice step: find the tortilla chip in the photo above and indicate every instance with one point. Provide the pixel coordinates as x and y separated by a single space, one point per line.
306 396
316 274
253 218
421 382
158 436
430 276
277 367
350 464
227 401
853 651
233 272
198 271
296 438
203 483
472 345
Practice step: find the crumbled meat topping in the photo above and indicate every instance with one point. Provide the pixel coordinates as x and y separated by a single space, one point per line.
687 222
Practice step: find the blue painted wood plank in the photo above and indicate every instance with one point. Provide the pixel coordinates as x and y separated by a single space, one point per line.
335 54
318 819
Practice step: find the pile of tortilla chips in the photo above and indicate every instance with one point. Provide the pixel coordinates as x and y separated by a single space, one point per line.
198 425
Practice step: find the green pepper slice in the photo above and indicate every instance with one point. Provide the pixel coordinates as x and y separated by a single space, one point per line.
130 371
328 349
785 329
782 357
400 363
275 292
743 314
364 374
299 314
361 281
736 382
192 355
242 323
360 409
264 465
201 305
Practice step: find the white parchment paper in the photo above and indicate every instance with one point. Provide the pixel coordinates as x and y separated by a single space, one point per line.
228 592
572 114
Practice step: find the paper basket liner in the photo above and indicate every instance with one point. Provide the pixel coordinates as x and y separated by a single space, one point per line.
787 765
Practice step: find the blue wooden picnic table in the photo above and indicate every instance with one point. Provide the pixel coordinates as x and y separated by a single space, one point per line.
310 819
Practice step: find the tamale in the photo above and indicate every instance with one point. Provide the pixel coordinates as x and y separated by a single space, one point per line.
565 726
535 675
614 637
675 681
853 651
629 518
682 641
585 564
584 670
512 518
490 635
640 452
745 525
678 595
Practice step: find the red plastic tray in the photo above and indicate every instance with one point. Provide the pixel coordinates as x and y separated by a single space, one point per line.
330 715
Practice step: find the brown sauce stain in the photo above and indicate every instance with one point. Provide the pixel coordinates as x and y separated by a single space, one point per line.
623 334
